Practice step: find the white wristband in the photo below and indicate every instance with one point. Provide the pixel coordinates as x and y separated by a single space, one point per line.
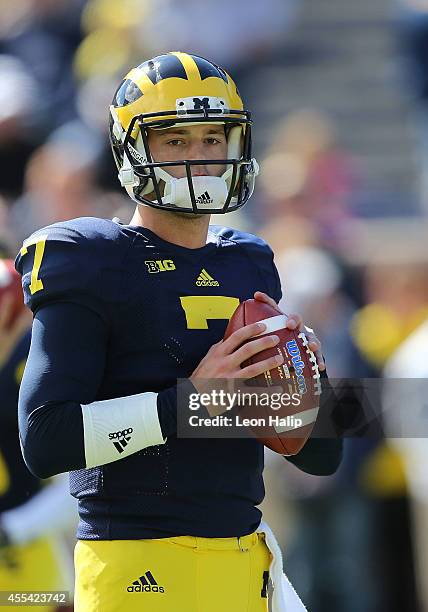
117 428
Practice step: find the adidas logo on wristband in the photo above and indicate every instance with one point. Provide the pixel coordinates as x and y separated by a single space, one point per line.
121 438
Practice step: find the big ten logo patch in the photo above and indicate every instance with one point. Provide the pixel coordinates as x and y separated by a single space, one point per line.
160 265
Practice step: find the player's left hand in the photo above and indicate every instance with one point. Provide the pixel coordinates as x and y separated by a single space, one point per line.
295 321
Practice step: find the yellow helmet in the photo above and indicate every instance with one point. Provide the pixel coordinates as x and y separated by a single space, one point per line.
179 88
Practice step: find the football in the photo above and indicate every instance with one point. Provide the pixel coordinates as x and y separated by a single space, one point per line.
10 283
285 428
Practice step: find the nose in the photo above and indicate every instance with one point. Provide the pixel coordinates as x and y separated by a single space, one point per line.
198 151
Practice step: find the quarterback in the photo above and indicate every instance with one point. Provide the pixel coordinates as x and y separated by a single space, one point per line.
121 311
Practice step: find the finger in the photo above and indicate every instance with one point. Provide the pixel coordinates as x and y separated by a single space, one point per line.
241 335
315 346
255 369
320 360
252 348
264 297
295 321
313 342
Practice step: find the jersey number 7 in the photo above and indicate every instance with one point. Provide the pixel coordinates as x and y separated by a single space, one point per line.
39 242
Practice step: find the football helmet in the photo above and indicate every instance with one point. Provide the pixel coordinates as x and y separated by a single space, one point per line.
179 88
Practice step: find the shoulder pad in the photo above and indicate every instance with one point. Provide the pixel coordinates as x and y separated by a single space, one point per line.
258 251
76 261
244 239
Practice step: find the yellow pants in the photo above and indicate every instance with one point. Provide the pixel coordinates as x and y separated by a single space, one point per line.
180 574
37 566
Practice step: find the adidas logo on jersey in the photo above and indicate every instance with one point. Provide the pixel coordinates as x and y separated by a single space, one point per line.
121 438
145 584
205 198
206 280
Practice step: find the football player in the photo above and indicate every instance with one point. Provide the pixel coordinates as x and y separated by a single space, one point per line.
121 311
32 513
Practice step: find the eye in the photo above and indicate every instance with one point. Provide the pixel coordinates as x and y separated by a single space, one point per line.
213 140
175 142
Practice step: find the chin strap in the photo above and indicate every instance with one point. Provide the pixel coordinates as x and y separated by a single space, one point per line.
210 191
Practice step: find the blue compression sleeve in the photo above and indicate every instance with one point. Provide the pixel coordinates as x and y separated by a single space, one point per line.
64 370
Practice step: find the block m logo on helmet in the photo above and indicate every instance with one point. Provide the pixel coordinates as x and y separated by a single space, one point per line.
198 103
207 104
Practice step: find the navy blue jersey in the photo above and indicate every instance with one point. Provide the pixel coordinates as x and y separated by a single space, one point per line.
17 484
153 309
164 305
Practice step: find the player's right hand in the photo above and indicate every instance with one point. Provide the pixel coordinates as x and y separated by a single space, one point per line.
225 358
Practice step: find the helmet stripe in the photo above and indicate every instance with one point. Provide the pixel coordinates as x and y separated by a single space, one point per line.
127 93
163 67
187 62
208 69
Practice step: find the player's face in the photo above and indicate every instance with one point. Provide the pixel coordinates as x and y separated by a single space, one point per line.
190 142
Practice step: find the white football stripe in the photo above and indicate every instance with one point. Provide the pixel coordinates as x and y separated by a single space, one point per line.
307 417
273 324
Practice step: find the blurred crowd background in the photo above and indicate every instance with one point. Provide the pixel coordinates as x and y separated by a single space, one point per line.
339 92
